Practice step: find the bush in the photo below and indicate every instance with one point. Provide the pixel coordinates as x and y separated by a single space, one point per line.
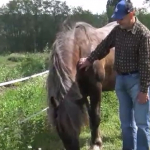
30 98
32 65
18 104
29 64
16 57
9 73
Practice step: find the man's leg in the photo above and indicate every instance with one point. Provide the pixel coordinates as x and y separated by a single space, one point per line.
142 116
126 114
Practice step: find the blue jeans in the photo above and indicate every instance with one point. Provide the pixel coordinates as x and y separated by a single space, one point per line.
134 117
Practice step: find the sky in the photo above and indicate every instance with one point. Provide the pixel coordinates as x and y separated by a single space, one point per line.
95 6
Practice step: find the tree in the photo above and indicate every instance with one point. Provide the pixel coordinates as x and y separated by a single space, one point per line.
110 6
30 25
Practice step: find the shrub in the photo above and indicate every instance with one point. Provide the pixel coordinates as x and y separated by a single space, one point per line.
16 57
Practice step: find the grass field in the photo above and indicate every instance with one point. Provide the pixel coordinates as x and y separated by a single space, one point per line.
28 98
15 66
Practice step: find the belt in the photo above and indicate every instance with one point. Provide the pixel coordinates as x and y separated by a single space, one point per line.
127 73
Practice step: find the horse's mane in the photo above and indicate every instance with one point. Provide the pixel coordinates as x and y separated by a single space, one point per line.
61 77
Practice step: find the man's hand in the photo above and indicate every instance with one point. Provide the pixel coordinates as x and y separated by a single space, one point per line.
142 97
84 63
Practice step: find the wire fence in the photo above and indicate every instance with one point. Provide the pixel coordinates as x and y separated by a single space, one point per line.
20 80
23 79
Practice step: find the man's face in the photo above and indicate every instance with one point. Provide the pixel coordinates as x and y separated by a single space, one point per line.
124 22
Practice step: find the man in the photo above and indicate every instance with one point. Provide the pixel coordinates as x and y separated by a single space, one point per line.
131 40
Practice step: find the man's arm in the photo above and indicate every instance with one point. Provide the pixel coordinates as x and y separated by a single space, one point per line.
104 47
144 63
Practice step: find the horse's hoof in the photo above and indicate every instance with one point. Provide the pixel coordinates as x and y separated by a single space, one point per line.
95 147
99 142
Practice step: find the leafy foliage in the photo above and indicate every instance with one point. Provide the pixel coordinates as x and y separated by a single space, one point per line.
29 25
24 99
21 65
29 98
110 7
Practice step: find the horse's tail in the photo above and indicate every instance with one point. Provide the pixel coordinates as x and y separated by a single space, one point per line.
68 117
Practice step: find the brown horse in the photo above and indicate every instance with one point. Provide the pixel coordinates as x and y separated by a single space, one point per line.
68 87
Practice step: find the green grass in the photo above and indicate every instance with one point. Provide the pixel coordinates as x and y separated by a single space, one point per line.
27 98
15 65
15 58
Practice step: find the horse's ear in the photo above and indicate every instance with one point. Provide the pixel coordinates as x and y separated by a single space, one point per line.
54 102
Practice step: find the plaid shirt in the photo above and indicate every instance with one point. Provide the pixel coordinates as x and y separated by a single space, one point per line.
132 51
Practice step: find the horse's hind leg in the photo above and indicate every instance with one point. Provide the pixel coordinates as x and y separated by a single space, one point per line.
95 100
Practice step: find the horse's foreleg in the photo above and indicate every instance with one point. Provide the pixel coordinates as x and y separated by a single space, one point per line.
95 100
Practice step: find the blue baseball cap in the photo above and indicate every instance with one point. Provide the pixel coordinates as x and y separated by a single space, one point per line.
122 9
